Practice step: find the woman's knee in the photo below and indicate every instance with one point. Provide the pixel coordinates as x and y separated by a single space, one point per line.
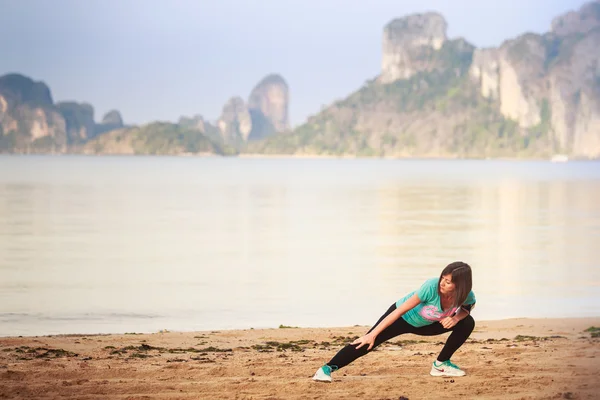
467 323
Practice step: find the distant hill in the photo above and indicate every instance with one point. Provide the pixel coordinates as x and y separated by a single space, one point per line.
30 121
158 138
534 96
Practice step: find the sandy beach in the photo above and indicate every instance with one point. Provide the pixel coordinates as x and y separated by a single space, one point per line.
508 359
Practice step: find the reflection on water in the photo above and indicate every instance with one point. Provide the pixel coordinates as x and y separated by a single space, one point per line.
534 245
121 244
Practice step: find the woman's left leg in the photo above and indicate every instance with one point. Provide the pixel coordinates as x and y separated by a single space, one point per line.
460 333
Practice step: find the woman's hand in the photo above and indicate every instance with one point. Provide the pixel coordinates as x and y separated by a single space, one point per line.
367 339
449 322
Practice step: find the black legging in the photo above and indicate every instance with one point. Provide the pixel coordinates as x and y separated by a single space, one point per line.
460 333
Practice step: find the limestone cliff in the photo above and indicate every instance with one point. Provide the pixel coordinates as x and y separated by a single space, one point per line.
265 114
235 123
485 70
79 118
534 96
582 21
550 81
408 43
112 120
268 106
113 117
29 121
574 96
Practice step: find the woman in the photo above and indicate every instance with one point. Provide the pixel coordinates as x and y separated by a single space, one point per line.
439 306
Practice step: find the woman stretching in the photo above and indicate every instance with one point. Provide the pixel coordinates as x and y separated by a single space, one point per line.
441 305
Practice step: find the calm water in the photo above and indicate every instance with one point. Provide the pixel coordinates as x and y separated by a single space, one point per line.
139 244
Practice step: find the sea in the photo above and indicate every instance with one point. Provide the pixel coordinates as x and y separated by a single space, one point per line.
124 244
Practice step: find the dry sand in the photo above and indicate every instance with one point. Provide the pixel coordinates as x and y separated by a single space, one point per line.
509 359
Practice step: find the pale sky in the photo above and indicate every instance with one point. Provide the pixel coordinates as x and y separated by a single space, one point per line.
161 59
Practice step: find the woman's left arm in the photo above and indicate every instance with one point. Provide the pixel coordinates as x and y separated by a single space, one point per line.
463 312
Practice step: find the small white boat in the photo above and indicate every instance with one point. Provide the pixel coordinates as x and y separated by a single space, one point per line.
559 158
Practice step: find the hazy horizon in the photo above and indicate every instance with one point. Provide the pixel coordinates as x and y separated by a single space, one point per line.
154 60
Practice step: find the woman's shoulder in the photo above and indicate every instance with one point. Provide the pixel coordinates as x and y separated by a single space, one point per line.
430 283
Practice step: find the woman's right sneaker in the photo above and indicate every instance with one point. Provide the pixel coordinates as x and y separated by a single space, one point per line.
445 368
323 374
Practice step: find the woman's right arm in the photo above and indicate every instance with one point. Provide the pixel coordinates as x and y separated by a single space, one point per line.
369 338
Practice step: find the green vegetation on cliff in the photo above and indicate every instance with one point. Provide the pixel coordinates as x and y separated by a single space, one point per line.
13 142
434 113
159 138
534 96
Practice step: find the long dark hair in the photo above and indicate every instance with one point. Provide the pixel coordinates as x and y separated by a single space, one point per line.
462 279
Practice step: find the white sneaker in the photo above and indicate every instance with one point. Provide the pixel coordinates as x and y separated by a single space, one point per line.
445 368
323 374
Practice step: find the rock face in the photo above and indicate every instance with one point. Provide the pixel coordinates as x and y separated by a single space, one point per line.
486 71
112 120
522 62
582 21
510 75
18 89
407 42
268 106
79 118
551 80
534 96
235 123
29 121
574 96
265 114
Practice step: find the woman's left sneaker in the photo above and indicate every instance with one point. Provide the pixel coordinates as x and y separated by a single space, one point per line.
445 368
323 374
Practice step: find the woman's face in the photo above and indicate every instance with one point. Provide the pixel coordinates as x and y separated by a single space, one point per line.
446 285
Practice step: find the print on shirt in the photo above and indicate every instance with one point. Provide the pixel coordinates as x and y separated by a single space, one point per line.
431 313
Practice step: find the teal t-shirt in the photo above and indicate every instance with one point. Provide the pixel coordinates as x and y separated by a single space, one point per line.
429 310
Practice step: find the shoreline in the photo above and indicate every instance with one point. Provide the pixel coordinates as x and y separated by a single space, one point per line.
308 156
518 358
491 322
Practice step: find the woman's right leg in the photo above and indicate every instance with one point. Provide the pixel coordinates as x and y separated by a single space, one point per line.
460 333
350 353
